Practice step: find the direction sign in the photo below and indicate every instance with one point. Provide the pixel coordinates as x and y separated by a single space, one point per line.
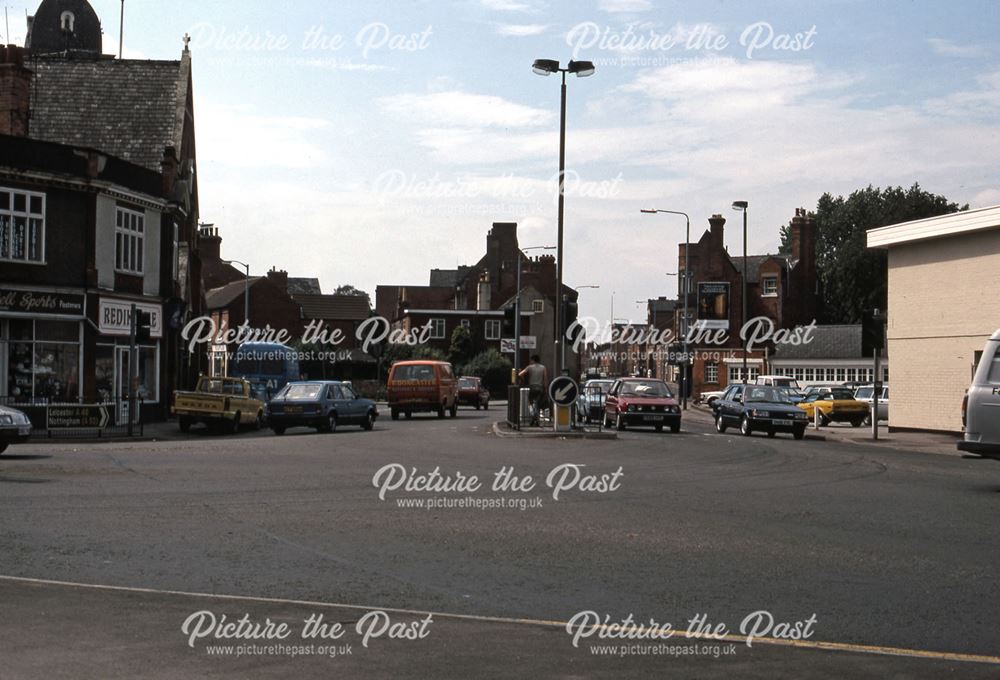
77 417
564 390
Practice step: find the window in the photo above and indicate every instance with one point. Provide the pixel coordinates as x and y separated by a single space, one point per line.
852 375
42 360
538 306
841 375
129 230
736 373
770 286
810 374
712 373
830 375
493 329
437 329
800 374
22 226
67 22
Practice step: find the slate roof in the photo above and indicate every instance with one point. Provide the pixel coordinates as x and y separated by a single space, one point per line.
303 286
220 297
333 307
755 261
829 342
448 277
127 108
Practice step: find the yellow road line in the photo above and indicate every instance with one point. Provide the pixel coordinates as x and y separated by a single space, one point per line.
798 644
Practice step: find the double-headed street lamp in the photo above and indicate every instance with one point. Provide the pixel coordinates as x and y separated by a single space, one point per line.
582 69
246 289
517 304
742 207
687 292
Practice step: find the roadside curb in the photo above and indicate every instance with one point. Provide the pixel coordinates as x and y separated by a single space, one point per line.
502 429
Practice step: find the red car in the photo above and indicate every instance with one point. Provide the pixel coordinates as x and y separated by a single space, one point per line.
642 401
472 393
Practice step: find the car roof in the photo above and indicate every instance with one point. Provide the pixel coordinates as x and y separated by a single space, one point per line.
419 362
316 382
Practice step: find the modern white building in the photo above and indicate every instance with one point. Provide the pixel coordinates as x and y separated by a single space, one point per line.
833 356
943 306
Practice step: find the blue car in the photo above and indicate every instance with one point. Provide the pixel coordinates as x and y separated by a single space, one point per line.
322 404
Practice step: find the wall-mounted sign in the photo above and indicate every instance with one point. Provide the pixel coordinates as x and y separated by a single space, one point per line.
713 305
115 317
41 302
507 345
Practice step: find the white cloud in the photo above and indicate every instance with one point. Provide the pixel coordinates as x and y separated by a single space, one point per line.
235 136
508 6
616 6
948 48
520 30
465 109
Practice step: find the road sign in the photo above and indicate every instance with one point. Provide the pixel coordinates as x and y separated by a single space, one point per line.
77 417
508 346
564 390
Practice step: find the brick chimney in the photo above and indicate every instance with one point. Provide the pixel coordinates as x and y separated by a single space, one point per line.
15 92
279 278
717 227
209 244
796 227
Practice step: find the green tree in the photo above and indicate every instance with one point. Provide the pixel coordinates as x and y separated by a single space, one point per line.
786 239
854 278
460 350
494 369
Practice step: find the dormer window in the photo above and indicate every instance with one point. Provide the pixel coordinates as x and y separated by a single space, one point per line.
67 21
769 287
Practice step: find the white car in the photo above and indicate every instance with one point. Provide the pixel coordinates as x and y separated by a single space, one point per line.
15 427
866 393
982 405
709 398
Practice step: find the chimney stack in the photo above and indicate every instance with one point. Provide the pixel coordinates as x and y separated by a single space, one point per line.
718 230
279 278
209 244
15 92
796 227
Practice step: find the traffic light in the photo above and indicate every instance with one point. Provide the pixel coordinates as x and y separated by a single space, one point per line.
509 317
570 311
143 325
872 332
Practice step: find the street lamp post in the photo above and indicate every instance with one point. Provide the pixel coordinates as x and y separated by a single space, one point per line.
582 69
246 289
517 304
687 292
742 207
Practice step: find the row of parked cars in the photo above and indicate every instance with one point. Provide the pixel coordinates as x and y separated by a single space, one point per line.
840 402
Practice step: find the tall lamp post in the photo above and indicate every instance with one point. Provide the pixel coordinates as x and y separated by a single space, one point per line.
685 367
517 304
742 207
582 69
246 289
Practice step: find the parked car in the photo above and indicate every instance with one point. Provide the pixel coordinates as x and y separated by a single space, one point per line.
472 393
759 408
15 427
777 381
225 402
835 404
323 404
642 401
982 405
422 385
590 403
709 398
866 393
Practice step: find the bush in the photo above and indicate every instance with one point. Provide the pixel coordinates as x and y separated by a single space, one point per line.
494 370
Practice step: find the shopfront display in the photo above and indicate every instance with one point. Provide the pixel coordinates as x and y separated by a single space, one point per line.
40 360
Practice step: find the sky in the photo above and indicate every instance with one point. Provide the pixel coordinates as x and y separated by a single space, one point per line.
367 143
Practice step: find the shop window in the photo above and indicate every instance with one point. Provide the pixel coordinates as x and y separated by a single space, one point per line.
42 360
22 226
129 239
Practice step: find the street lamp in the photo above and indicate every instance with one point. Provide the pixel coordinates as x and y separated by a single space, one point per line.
742 207
582 69
246 289
685 387
517 304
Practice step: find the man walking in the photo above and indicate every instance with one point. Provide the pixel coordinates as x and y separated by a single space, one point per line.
537 377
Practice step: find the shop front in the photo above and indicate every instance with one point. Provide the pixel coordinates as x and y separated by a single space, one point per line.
113 359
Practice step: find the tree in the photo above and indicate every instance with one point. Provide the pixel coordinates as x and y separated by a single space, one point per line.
786 240
853 277
460 350
494 369
348 289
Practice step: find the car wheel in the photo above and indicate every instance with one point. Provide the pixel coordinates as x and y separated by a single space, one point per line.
858 422
619 422
441 411
3 446
369 423
823 420
867 420
409 414
331 422
745 428
478 406
720 426
234 426
259 422
394 413
185 424
278 430
799 432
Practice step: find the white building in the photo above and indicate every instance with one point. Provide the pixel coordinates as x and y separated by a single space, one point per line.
833 356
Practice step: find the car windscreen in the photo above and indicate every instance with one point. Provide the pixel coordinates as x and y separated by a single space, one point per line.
301 392
864 393
770 395
646 388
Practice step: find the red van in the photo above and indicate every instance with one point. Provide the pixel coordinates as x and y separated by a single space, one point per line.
416 386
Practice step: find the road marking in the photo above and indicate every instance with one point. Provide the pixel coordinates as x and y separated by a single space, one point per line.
799 644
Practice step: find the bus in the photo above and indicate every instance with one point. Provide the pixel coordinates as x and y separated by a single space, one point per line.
268 366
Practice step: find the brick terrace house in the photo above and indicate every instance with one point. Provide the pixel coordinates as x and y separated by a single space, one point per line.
783 288
112 228
475 296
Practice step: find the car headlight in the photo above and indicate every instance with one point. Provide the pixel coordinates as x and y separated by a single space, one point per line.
6 420
631 409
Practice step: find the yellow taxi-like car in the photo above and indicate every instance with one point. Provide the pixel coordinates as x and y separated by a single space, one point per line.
835 404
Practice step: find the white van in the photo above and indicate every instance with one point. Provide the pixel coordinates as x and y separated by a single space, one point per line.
982 405
778 381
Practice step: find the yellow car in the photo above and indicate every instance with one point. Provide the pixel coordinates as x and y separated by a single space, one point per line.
835 404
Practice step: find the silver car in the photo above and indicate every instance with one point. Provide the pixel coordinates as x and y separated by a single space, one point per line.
15 427
866 393
982 405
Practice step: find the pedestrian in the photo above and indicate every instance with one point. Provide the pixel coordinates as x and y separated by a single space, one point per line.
537 377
